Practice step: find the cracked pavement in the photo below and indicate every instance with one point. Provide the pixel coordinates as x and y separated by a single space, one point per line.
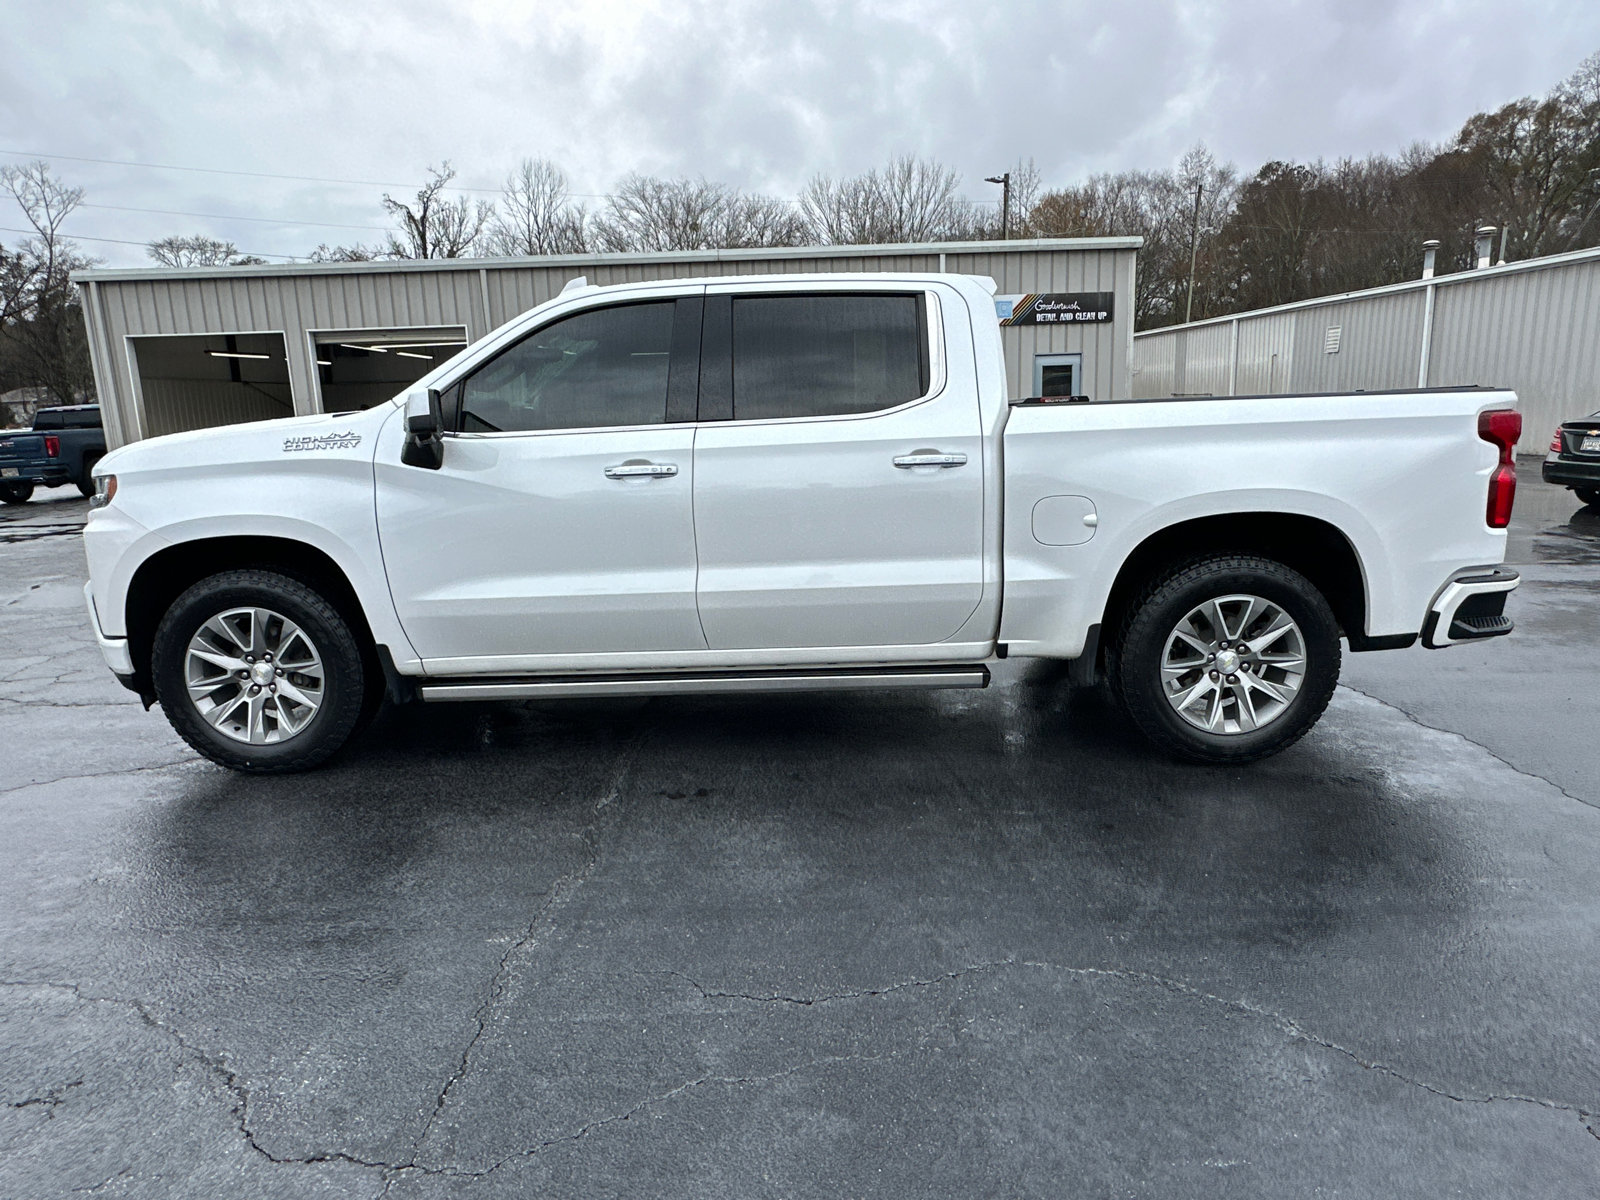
944 944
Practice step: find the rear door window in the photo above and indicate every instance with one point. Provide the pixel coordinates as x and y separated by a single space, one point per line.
827 355
604 367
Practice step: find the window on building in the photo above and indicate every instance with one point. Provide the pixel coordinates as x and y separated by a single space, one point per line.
195 381
827 355
605 367
358 369
1058 375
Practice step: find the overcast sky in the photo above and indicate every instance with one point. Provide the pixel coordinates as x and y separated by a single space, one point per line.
759 95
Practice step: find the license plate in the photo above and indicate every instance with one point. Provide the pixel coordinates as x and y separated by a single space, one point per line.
1589 445
11 472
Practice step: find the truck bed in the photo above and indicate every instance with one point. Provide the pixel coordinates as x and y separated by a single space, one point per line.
1400 476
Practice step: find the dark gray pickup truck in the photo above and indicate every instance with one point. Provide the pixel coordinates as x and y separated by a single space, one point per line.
62 447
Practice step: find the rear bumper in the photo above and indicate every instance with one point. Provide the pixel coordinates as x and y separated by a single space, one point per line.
1470 608
1569 472
45 474
113 650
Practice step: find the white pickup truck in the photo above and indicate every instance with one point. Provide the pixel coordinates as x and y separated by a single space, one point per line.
770 483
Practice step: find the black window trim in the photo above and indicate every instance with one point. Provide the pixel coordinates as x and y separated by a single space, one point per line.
685 304
929 321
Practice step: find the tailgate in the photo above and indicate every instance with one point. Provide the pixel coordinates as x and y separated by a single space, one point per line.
15 447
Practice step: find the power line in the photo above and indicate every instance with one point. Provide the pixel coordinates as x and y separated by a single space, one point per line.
83 237
116 162
169 212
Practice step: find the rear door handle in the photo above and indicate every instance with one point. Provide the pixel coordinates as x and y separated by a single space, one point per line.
649 470
930 460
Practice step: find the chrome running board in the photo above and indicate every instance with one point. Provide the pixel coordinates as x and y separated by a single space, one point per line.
542 687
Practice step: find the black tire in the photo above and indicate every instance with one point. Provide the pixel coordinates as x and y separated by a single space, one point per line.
343 685
16 493
1589 496
86 478
1135 656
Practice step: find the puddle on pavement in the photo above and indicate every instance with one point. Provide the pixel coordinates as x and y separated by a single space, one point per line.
1550 525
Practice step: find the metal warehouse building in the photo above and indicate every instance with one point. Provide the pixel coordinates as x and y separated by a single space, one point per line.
1533 326
177 349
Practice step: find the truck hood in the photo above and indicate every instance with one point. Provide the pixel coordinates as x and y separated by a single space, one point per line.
341 434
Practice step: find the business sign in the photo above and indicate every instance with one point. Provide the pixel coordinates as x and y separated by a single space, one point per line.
1054 308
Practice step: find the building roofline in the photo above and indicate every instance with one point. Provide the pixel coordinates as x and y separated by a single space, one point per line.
1546 263
392 266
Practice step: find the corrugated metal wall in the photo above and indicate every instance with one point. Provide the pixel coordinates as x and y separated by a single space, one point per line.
1537 332
173 405
1532 326
1105 347
483 294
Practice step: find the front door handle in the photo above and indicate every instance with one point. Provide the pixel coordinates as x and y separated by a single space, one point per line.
930 460
647 470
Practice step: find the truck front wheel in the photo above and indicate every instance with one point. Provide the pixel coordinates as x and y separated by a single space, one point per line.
86 474
258 672
1226 659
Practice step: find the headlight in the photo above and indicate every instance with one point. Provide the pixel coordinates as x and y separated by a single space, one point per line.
105 488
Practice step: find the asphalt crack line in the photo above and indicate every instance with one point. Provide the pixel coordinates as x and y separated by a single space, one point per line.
106 1182
1288 1025
1415 720
219 1070
162 766
634 1110
560 893
30 703
1295 1030
808 1001
49 1101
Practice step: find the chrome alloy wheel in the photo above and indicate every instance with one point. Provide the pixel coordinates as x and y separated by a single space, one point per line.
254 675
1233 664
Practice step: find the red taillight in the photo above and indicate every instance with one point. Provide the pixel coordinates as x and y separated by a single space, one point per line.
52 446
1501 427
1555 442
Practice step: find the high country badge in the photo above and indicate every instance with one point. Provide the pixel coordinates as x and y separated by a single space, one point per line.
323 441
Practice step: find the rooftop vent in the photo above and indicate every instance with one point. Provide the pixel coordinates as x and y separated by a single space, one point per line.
1483 245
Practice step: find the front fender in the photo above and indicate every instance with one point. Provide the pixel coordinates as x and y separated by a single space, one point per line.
324 500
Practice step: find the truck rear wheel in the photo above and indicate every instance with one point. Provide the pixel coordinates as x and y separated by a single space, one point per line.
1226 659
258 672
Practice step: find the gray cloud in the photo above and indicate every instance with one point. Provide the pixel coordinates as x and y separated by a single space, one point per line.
761 95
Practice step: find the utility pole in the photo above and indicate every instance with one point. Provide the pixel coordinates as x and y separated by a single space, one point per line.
1005 203
1194 250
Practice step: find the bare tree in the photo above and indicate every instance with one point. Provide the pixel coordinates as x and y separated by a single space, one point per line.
437 227
1159 207
536 215
909 200
325 253
18 272
645 213
45 344
197 250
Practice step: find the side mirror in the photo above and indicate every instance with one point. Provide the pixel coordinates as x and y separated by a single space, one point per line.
424 423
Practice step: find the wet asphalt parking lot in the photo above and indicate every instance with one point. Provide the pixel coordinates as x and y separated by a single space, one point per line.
901 944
